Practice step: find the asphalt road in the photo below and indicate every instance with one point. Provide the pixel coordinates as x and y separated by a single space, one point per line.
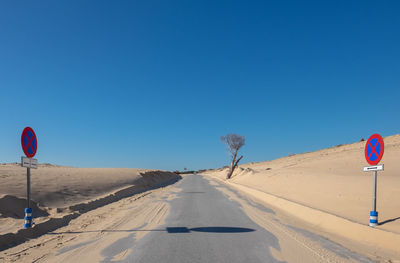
205 225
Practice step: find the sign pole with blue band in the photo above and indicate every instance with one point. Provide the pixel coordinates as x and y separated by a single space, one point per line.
373 154
374 191
29 146
373 215
28 219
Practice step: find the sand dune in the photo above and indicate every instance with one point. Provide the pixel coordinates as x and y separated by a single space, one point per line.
11 206
331 181
58 186
60 194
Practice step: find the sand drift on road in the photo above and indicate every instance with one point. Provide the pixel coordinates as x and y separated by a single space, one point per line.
60 194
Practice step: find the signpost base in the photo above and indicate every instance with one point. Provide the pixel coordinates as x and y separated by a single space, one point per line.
373 218
28 218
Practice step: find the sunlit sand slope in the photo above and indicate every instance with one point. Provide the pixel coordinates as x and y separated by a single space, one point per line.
331 180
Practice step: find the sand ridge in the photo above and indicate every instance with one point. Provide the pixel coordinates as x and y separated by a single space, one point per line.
61 194
331 185
330 180
108 227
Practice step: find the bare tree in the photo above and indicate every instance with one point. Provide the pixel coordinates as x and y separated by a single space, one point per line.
234 143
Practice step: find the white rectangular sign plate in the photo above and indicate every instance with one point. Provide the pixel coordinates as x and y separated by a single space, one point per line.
29 162
373 168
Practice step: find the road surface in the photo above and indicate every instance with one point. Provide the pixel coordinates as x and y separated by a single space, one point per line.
198 219
205 225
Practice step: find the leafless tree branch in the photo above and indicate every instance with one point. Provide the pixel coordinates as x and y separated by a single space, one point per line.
234 143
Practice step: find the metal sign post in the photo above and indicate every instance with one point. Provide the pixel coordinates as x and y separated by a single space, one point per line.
28 187
373 154
29 146
374 192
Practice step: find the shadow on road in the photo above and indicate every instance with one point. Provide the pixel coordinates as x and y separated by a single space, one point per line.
170 230
215 229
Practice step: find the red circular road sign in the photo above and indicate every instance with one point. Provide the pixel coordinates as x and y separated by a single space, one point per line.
29 142
374 149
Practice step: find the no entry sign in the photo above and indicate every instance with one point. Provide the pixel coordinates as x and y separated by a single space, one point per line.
29 142
374 149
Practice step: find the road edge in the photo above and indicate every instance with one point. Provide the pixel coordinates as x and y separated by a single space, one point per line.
325 221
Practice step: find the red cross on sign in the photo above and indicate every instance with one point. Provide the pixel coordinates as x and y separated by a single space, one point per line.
374 149
29 142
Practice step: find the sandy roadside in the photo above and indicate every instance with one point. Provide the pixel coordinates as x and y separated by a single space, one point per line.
60 194
83 239
331 183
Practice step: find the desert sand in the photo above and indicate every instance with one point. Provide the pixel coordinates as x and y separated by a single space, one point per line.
60 193
331 182
328 184
84 237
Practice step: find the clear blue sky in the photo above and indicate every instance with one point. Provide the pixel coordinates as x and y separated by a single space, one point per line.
154 84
